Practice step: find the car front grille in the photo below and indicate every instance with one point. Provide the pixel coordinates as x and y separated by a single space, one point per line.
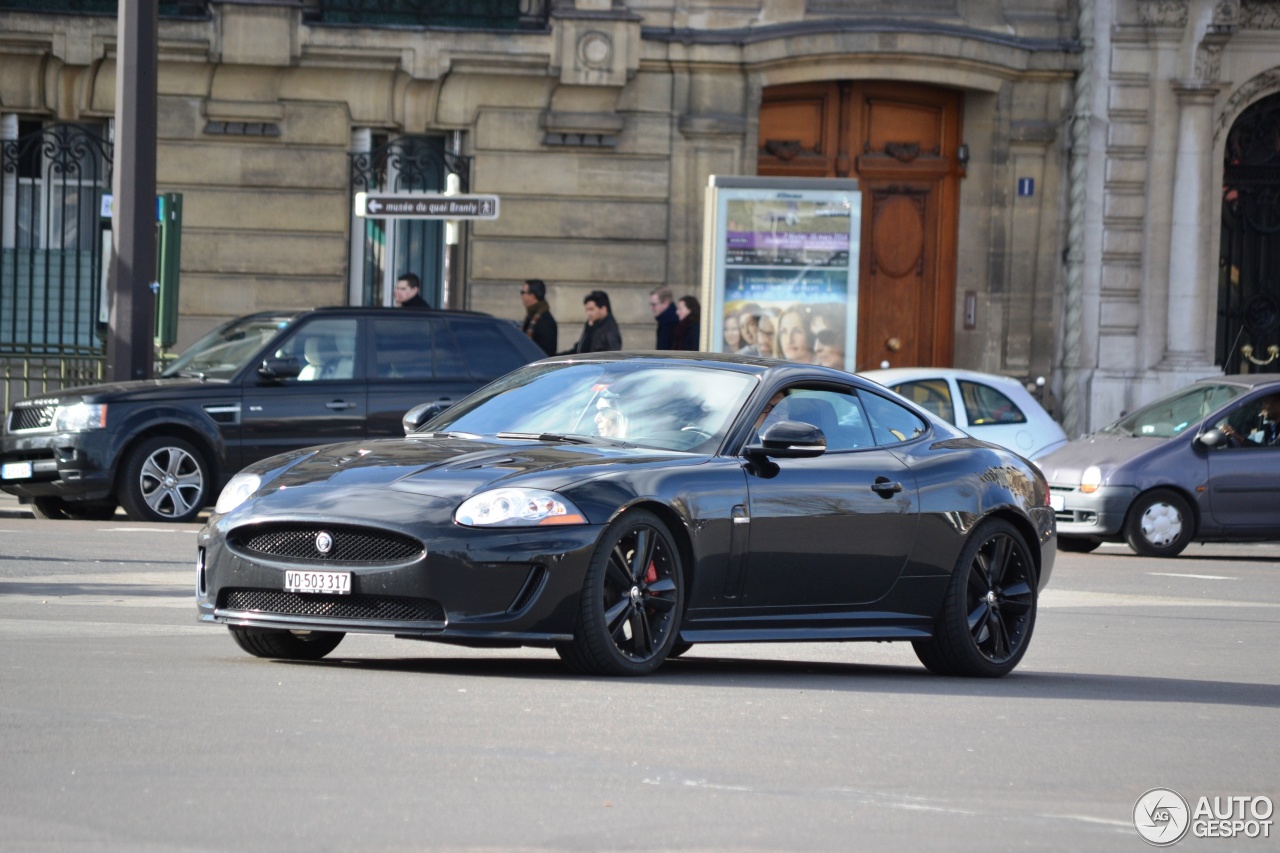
31 417
383 608
347 544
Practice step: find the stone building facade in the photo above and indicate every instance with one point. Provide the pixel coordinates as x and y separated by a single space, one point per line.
1061 156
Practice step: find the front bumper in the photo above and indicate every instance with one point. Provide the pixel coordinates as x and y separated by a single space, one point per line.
70 465
499 585
1098 515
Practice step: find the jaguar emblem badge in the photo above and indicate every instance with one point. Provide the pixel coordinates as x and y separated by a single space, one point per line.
324 542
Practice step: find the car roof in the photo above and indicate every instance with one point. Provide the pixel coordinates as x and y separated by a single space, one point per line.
902 374
1248 380
771 369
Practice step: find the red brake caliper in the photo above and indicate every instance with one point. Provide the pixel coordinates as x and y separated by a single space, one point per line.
651 575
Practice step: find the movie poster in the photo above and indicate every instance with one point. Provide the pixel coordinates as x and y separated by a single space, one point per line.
784 284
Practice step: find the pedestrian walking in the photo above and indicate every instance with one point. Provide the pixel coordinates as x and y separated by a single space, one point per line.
600 333
408 292
539 324
688 330
664 313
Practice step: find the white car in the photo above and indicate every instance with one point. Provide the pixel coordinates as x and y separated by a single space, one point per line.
993 408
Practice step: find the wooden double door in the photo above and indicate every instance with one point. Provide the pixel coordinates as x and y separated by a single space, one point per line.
901 142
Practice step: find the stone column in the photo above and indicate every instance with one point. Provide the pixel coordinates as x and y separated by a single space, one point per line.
1191 287
9 211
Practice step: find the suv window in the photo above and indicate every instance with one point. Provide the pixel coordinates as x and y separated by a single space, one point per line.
326 349
402 347
486 351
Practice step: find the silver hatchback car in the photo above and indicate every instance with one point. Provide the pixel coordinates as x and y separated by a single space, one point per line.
1200 465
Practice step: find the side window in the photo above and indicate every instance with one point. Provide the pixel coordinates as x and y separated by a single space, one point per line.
1255 424
488 353
839 416
402 347
933 395
890 422
326 349
450 363
985 405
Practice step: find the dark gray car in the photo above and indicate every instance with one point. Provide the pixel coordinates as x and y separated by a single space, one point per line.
1202 464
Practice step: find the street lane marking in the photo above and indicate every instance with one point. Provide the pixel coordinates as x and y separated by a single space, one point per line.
1194 577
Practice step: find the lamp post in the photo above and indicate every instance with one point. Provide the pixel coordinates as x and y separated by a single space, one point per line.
133 261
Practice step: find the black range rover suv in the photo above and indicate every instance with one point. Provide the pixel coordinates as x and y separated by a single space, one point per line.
256 386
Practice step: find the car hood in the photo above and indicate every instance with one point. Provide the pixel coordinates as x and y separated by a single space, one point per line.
1107 451
130 390
342 475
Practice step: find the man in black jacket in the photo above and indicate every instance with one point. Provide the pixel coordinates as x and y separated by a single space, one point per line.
539 325
408 292
600 333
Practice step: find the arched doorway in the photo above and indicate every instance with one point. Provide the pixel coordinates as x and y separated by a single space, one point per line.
900 140
1248 336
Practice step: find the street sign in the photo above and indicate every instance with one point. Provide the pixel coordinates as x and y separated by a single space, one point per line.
423 206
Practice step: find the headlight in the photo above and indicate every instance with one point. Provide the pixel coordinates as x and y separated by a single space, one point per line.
517 508
1091 479
237 492
80 417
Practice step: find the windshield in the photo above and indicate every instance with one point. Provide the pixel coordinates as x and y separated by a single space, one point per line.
1170 416
672 407
222 352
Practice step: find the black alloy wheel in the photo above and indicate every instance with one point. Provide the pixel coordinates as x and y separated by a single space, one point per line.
990 607
632 600
1077 544
1160 524
164 479
57 508
286 645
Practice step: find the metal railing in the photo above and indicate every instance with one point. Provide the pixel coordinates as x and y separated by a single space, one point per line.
36 375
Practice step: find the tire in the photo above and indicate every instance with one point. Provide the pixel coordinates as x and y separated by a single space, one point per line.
164 479
631 603
1160 524
678 648
286 645
57 508
989 610
1077 545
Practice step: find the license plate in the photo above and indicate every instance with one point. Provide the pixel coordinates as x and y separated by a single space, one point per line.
16 471
329 583
1057 502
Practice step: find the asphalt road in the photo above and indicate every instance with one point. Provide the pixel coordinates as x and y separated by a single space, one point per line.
125 725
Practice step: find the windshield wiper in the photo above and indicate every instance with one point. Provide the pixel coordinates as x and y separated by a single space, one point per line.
465 435
557 436
191 374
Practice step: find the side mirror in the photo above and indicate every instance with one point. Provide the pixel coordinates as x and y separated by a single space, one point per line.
421 413
280 368
789 440
1211 437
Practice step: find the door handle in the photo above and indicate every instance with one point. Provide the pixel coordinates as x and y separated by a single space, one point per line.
339 405
885 488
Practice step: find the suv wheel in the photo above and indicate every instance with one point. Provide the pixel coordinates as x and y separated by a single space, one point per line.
163 479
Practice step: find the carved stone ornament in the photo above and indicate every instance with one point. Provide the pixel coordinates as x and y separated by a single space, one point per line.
1226 13
1164 13
1260 15
1208 60
595 51
1265 83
